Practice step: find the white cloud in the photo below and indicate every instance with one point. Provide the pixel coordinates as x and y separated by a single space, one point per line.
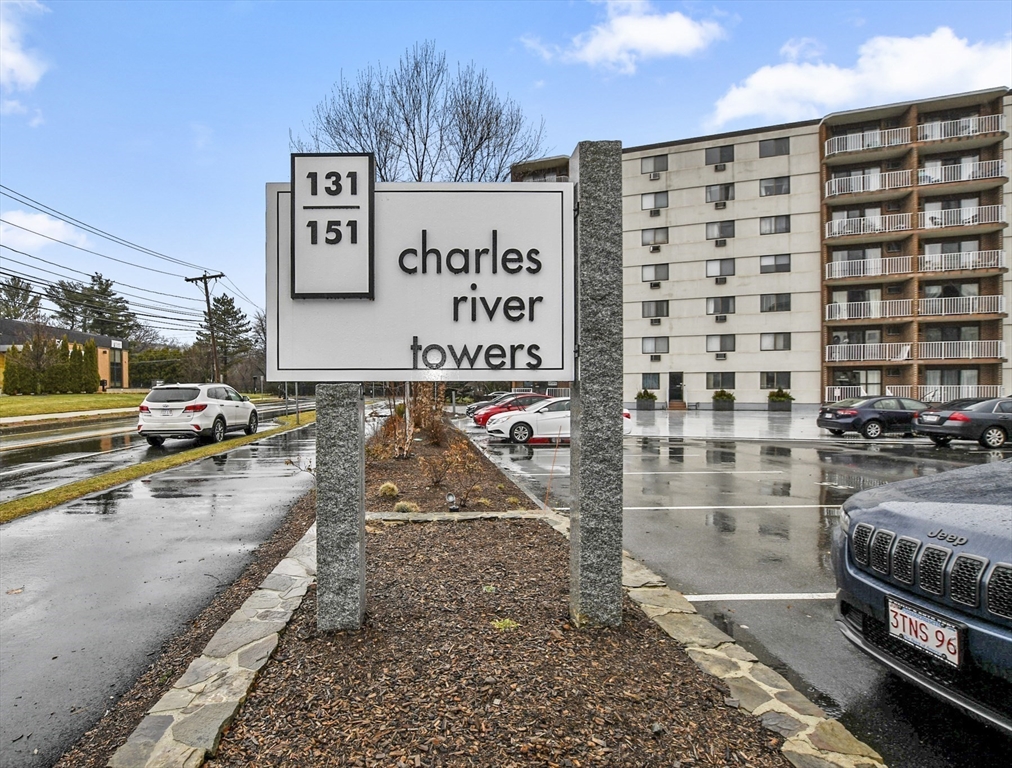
15 237
12 107
801 48
634 31
20 68
888 69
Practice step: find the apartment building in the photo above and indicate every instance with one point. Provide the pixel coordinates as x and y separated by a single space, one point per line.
864 253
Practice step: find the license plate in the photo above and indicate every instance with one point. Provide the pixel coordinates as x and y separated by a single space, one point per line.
931 634
829 415
929 419
166 412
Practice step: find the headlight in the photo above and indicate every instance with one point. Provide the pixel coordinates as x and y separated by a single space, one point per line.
844 521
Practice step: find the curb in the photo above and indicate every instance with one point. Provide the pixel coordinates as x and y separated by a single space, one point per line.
185 726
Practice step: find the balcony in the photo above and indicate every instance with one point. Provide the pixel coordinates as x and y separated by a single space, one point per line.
963 128
942 393
870 310
956 262
961 305
873 225
869 183
945 174
854 353
869 141
895 265
980 218
834 394
960 350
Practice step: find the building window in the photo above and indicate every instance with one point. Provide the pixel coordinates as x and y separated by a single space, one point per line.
720 342
719 267
780 185
720 380
656 236
653 273
774 341
651 381
775 380
654 200
774 147
655 345
720 305
719 229
775 302
655 308
654 164
717 192
778 263
723 154
772 225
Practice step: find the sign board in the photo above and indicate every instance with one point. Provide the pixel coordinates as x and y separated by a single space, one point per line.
469 282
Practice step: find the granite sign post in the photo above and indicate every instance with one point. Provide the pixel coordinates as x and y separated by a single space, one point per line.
595 559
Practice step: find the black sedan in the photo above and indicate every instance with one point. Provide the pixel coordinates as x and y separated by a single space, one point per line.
989 422
494 397
871 416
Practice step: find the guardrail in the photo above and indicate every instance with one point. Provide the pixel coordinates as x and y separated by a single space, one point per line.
949 262
961 305
857 142
966 126
893 222
867 310
893 265
961 217
988 169
869 182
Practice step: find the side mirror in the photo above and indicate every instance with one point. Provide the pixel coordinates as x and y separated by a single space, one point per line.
245 398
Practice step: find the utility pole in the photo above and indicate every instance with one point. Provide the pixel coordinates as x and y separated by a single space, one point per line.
210 324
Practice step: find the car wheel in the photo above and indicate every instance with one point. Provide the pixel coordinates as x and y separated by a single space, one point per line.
218 431
836 432
872 430
520 433
993 437
154 440
940 441
254 422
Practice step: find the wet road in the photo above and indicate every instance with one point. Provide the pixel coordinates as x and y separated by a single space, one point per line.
90 591
742 528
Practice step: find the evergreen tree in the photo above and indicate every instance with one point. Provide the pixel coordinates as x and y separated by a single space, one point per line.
91 377
232 332
93 308
18 300
68 296
77 377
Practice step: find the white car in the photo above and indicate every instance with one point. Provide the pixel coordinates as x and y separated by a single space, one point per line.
202 411
545 421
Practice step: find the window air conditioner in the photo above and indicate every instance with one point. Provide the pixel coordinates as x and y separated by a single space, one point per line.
894 289
892 247
720 280
892 206
655 285
720 167
894 164
655 249
893 330
654 176
655 212
720 205
719 243
721 355
721 318
655 358
655 321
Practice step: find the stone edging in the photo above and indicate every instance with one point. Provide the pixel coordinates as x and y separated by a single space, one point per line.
186 724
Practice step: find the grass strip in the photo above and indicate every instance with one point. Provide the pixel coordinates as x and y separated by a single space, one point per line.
37 502
36 405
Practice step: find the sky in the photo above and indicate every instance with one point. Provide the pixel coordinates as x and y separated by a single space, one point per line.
159 123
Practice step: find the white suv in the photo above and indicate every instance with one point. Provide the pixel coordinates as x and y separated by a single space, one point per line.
203 411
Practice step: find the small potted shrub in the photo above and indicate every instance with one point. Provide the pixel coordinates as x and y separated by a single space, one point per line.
723 400
779 400
645 400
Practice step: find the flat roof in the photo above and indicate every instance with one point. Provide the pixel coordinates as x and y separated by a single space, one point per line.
716 136
955 100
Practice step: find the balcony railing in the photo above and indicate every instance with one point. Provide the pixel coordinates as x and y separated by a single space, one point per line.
953 129
856 142
951 262
893 222
895 265
942 393
988 169
864 310
961 305
833 394
841 353
872 182
960 217
960 350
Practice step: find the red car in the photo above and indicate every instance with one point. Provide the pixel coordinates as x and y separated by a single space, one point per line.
515 403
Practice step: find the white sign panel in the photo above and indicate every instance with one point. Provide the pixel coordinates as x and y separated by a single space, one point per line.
472 282
331 230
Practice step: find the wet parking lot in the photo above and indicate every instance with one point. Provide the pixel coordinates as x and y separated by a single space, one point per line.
741 526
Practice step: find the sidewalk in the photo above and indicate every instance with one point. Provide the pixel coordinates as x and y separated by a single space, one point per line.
41 417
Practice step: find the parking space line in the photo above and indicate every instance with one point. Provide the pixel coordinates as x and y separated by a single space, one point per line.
723 506
691 472
767 596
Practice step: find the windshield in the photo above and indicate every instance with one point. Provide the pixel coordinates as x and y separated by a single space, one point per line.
172 395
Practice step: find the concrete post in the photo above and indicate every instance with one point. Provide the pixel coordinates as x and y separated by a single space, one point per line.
340 506
595 561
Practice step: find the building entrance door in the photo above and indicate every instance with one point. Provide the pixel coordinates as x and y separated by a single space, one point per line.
676 389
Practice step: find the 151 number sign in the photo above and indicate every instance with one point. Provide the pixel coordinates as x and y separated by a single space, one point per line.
332 226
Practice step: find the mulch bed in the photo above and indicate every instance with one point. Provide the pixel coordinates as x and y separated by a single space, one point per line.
467 658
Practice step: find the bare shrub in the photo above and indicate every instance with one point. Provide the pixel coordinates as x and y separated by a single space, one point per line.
406 507
389 490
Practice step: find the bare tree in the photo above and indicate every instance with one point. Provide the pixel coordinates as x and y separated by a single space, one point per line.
423 123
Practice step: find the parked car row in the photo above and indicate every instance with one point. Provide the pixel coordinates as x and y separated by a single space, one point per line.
532 418
988 421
